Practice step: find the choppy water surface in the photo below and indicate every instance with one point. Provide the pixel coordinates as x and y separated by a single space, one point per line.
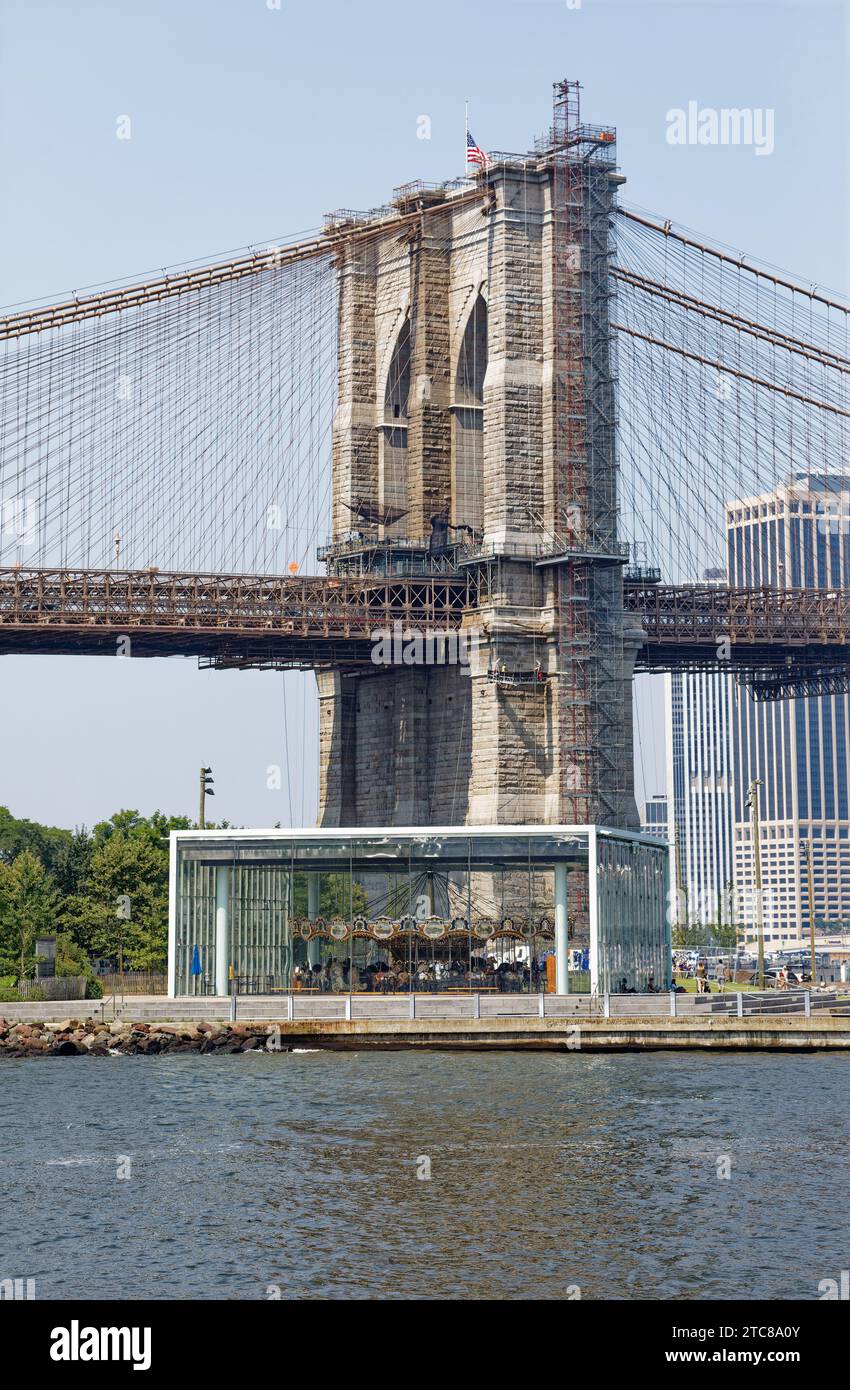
300 1171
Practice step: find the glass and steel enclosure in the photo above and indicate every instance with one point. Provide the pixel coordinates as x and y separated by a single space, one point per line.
510 909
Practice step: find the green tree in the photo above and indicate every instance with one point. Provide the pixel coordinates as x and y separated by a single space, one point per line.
44 841
695 934
153 828
28 908
128 858
71 957
71 864
123 866
336 898
688 935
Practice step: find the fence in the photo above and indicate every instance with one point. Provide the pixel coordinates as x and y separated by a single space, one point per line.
735 1004
54 987
421 1007
299 1006
134 982
424 1007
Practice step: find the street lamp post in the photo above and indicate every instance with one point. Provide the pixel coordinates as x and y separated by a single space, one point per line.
811 878
123 914
753 803
206 790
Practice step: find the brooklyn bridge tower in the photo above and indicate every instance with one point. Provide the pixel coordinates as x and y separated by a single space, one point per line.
475 431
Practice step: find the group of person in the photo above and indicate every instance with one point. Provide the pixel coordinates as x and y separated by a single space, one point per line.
699 972
649 988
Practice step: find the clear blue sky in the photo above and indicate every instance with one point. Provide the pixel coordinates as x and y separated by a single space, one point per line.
248 123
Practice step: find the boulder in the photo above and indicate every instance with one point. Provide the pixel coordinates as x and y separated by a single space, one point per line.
66 1048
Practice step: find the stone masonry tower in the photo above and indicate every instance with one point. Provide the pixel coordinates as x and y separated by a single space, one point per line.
475 431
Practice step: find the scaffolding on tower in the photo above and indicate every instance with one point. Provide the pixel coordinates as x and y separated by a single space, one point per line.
593 749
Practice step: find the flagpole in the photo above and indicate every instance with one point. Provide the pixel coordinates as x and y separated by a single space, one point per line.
466 139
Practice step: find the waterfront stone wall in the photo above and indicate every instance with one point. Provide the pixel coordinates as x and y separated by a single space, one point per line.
90 1038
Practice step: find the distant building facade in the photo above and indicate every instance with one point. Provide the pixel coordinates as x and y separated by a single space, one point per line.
796 536
698 719
655 817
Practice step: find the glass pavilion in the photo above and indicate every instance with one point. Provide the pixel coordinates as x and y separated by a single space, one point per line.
535 908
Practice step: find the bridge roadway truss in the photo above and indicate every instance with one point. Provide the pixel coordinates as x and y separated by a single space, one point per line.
779 642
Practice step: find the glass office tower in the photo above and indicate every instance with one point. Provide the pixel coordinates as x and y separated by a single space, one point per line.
797 536
699 719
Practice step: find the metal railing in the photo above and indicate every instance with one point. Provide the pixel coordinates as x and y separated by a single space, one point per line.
460 1006
464 1004
134 982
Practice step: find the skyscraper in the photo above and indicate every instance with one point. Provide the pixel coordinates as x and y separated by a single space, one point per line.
797 536
698 711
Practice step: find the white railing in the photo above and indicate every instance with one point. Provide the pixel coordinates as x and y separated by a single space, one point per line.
424 1007
294 1007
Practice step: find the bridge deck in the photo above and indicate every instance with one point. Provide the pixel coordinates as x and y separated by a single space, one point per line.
249 620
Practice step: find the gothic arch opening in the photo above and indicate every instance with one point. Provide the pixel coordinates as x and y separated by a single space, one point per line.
472 360
468 421
392 460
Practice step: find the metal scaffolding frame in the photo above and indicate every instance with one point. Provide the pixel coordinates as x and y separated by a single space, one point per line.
594 756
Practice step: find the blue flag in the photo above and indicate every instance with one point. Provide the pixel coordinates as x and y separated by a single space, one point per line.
196 962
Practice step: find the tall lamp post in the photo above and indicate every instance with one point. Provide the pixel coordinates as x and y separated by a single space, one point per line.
206 790
753 803
123 913
811 878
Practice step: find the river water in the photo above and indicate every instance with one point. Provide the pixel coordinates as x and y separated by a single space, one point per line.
304 1175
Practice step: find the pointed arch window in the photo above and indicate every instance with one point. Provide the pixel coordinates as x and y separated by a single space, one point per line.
397 389
468 421
472 361
392 457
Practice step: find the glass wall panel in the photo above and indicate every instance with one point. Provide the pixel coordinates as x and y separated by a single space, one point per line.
195 929
633 933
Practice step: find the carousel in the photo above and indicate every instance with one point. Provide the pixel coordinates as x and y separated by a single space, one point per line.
432 953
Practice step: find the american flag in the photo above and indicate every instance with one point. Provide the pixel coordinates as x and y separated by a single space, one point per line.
473 154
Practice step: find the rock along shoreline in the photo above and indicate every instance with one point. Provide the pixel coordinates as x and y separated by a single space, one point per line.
91 1037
